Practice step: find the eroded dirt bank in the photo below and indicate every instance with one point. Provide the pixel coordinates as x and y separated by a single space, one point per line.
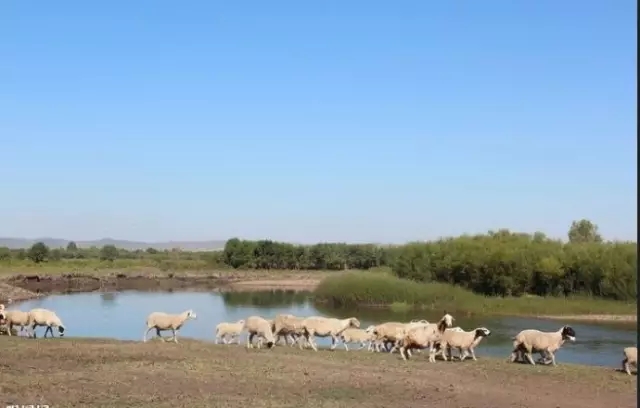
24 287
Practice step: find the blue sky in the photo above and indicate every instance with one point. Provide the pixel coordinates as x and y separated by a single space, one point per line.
316 121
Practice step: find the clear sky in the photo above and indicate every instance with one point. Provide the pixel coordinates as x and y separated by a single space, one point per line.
316 121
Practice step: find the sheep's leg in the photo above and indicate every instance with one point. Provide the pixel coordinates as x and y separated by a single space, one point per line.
312 341
33 331
159 335
553 357
403 353
250 340
334 342
529 357
9 328
626 366
362 345
473 354
175 335
345 345
146 332
444 351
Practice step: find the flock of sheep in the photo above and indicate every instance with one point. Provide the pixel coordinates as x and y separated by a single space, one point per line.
439 338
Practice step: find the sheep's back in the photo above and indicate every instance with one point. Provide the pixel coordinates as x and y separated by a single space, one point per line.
631 354
17 317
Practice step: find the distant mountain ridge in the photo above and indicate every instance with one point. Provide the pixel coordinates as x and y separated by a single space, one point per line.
17 243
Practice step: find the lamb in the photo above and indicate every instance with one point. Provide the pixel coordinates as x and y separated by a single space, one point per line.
289 326
351 335
630 359
15 318
465 341
325 327
425 336
44 317
258 326
232 330
545 343
164 321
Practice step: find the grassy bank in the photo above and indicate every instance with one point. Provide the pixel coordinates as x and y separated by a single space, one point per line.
194 373
381 289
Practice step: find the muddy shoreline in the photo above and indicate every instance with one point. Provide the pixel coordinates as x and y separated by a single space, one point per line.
25 287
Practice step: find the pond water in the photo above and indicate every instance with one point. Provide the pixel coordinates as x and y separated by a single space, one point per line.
121 315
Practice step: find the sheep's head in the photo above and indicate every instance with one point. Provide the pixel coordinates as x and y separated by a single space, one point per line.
482 332
353 322
61 330
445 322
191 315
568 333
371 329
3 317
242 322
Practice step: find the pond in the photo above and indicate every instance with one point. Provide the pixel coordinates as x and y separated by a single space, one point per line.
121 315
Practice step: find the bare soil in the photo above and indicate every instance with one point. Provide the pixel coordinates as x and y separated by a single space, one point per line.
110 373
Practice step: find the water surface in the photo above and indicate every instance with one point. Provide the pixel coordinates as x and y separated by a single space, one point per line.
122 315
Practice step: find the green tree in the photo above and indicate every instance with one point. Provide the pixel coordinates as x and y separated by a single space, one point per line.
584 231
55 254
38 252
72 247
5 254
109 253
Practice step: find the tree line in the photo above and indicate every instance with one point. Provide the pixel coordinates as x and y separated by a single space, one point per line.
498 263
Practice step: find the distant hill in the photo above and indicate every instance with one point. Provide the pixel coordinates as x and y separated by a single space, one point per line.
17 243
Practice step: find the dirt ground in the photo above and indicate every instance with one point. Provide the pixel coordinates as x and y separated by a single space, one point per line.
24 287
110 373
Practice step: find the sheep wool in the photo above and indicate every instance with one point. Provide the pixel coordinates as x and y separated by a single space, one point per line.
326 327
47 318
232 330
546 343
261 327
164 321
630 359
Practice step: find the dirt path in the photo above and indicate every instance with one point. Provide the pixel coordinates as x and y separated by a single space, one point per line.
68 372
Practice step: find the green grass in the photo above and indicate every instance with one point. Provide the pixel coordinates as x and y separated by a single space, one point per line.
383 289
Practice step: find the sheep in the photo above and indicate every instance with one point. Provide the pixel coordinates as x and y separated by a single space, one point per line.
437 345
351 335
232 330
465 341
545 343
389 332
164 321
289 326
630 359
325 327
15 318
47 318
425 336
256 325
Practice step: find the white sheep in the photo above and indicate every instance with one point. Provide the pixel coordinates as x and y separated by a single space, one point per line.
326 327
15 318
261 327
546 343
403 330
361 336
389 332
289 326
164 321
232 330
464 341
630 359
47 318
425 336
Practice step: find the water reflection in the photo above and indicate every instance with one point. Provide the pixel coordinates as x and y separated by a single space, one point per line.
266 299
